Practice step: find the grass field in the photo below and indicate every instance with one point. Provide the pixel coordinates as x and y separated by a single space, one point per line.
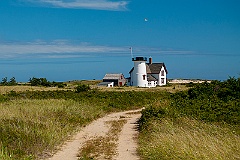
34 121
199 123
173 88
31 128
189 139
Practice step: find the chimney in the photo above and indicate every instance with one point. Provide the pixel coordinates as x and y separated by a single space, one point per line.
150 60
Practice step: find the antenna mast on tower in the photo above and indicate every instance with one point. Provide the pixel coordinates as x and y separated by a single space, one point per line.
131 51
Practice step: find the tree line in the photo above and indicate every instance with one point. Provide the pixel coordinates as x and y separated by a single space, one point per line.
33 82
6 82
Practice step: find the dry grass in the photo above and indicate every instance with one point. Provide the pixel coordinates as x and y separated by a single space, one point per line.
36 127
103 147
172 88
7 89
93 84
189 139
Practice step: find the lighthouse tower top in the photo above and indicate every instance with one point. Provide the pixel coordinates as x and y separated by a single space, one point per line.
139 59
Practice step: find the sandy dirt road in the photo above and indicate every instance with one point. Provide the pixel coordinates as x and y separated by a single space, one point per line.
126 143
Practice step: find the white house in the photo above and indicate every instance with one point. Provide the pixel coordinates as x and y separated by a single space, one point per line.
147 74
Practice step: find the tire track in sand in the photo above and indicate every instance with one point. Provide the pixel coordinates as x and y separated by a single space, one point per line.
126 144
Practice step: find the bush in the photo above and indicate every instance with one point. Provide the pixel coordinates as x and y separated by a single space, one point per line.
215 102
82 88
212 102
150 113
39 82
44 82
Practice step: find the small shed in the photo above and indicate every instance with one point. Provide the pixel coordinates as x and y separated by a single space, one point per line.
118 79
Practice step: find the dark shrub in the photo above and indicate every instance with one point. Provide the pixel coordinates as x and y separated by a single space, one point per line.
82 88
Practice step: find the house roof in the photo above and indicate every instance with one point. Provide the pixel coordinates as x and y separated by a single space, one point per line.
155 67
131 70
113 76
151 78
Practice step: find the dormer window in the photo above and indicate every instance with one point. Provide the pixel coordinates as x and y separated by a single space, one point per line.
162 73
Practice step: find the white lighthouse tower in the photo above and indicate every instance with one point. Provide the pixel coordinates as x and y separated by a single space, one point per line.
139 74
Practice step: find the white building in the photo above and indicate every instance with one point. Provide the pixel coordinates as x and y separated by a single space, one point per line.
147 74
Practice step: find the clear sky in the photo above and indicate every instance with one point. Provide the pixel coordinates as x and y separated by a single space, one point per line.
84 39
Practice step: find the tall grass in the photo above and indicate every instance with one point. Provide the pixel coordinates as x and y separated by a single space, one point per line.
201 123
34 123
186 138
22 88
34 127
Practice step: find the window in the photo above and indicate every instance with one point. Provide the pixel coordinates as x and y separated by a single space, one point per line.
162 73
162 80
144 77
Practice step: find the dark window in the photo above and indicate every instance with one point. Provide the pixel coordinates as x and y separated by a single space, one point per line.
144 77
162 80
162 73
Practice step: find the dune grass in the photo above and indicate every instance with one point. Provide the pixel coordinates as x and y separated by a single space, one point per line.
186 138
200 123
34 123
21 88
31 128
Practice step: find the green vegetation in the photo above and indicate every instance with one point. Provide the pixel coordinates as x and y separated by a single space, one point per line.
44 82
213 102
200 123
82 88
11 82
34 123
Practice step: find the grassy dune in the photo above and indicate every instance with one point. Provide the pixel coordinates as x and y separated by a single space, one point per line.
180 125
34 123
186 138
36 127
200 123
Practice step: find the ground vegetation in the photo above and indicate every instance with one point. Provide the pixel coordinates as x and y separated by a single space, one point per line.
199 123
34 123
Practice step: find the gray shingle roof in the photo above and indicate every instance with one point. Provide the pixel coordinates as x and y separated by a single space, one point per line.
113 76
151 78
153 68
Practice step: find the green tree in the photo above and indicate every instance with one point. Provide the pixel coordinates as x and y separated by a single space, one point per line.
4 81
12 82
34 81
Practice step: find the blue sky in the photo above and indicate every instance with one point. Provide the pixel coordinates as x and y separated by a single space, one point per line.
84 39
